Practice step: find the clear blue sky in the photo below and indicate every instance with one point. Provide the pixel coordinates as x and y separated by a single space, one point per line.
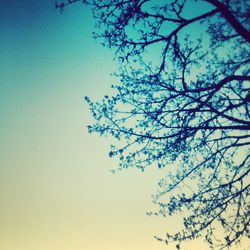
56 191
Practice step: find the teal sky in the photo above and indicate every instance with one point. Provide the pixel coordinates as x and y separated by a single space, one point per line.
56 190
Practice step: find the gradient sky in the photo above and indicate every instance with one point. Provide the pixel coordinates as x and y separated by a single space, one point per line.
56 190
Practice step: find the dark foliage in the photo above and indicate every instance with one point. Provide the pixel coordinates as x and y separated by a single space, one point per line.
183 105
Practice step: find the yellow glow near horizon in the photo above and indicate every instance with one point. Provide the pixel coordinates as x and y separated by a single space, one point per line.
55 186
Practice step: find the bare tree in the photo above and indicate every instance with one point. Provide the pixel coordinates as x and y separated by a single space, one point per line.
182 104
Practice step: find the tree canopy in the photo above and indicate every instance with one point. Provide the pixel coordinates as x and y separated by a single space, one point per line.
182 104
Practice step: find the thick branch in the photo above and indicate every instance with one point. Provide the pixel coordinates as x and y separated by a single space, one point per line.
231 19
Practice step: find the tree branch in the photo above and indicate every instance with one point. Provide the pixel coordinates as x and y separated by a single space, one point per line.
231 19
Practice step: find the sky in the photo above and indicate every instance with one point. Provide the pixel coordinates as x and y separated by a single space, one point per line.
56 188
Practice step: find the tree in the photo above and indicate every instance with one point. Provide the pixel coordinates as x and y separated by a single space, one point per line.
183 105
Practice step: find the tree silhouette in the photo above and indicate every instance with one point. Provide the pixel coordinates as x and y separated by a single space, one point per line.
183 105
